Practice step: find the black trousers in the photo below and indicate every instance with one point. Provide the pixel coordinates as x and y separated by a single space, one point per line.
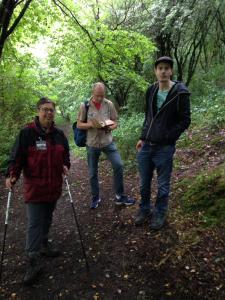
39 220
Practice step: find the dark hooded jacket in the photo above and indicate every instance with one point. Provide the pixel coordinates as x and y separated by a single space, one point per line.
42 168
165 126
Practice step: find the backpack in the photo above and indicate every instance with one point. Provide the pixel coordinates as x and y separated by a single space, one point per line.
80 135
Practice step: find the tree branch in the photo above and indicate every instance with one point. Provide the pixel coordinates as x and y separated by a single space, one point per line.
67 12
20 16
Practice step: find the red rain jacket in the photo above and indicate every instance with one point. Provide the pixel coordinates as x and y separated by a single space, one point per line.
41 156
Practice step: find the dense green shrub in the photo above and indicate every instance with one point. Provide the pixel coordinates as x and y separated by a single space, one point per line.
8 129
210 111
205 83
206 194
13 116
127 135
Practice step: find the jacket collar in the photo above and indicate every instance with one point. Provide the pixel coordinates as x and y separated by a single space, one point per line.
37 126
91 103
178 88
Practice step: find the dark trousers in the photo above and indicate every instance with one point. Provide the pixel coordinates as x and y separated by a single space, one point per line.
159 158
39 220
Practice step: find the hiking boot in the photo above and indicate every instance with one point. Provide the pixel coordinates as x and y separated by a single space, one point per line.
124 200
48 250
95 202
158 220
34 268
142 216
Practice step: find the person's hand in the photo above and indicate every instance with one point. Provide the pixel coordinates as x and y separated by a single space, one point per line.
91 124
65 170
10 181
139 145
113 126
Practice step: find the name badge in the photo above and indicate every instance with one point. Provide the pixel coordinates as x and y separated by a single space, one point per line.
41 145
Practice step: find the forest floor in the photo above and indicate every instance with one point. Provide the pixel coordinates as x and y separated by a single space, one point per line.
185 260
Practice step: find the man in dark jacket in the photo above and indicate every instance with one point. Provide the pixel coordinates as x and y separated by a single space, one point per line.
41 150
167 116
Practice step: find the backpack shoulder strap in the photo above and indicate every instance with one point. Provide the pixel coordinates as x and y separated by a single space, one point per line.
86 105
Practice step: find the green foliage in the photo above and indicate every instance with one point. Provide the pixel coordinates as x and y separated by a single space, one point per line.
208 118
207 82
189 31
6 141
9 129
206 194
21 74
127 135
18 95
210 111
118 61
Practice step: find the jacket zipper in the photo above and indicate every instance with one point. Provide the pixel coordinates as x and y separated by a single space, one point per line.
151 114
153 119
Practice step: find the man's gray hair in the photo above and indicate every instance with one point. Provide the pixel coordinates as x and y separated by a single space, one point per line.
98 85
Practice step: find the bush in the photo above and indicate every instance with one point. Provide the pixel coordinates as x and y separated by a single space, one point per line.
11 122
7 138
206 83
206 194
210 111
127 135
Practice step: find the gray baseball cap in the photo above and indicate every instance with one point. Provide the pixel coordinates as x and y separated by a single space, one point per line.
165 59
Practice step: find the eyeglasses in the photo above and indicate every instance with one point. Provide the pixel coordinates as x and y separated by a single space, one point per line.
45 109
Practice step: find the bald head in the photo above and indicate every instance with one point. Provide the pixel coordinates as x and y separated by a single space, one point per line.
98 91
98 85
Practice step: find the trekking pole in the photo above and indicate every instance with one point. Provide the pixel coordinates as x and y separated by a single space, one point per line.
77 224
5 231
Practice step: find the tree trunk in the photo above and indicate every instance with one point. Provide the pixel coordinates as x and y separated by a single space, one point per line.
7 8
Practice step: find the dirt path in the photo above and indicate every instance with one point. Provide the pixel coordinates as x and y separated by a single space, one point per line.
183 261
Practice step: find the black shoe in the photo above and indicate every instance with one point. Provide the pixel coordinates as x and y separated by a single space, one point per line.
95 202
49 251
34 268
158 221
141 217
124 200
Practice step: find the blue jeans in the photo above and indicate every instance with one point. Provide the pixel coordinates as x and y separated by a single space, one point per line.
159 158
113 156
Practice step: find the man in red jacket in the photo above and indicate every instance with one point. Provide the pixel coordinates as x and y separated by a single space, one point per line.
41 150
